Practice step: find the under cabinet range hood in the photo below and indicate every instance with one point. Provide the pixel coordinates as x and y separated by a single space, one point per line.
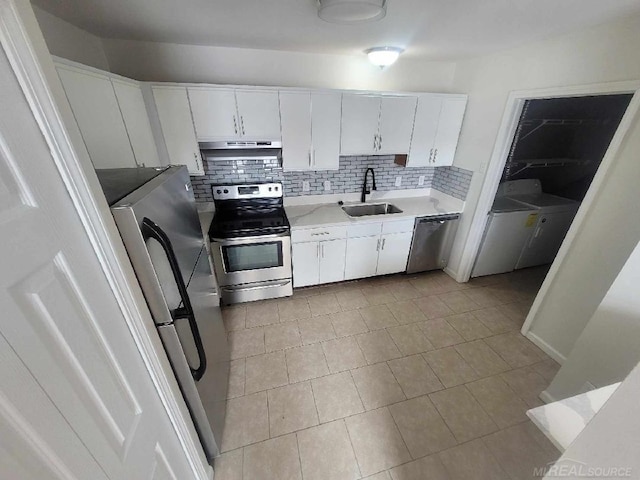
241 150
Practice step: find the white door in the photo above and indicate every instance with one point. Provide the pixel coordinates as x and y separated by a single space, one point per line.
136 121
396 124
214 113
76 399
332 260
176 122
295 111
394 252
259 114
449 126
360 116
424 131
305 257
95 108
362 257
325 130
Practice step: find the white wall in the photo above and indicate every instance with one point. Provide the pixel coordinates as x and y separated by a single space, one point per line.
241 66
68 41
607 350
603 54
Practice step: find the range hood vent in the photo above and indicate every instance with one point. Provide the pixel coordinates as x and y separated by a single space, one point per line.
241 150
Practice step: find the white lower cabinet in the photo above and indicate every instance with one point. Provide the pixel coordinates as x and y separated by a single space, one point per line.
362 257
332 260
394 252
318 262
306 268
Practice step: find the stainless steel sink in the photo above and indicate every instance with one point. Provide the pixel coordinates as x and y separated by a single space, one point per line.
371 209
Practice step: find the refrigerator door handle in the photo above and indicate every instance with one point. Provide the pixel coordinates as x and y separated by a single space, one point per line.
152 230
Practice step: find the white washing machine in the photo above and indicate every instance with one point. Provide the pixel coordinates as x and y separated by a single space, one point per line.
509 228
553 222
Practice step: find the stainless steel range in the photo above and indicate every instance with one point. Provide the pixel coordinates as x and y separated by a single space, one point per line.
251 242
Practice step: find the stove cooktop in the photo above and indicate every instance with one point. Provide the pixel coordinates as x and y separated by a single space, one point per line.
248 223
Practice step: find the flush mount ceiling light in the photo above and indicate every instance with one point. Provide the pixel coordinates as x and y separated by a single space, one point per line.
383 56
351 11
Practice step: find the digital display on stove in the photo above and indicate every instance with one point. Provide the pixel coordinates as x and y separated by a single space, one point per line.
252 190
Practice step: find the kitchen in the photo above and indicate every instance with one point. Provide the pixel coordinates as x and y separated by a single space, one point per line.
439 182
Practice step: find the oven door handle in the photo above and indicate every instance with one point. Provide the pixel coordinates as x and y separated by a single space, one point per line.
152 230
236 240
242 288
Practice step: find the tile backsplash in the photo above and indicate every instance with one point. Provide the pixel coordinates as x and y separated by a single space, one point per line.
348 179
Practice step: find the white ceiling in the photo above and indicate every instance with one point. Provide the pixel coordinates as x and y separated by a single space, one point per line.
430 29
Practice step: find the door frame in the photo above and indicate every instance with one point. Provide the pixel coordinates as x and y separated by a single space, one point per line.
513 109
25 48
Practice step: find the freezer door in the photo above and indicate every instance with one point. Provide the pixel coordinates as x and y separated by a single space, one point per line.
212 387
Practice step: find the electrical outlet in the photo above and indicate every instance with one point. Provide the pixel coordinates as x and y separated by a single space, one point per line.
327 185
421 180
306 186
398 181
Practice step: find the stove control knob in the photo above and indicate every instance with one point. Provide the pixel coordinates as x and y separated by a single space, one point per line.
269 188
276 189
226 191
218 191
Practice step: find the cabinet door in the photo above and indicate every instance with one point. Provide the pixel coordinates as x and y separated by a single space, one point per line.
136 121
362 257
424 131
259 114
396 124
177 127
95 108
332 260
449 126
394 252
305 264
295 111
325 130
214 113
360 118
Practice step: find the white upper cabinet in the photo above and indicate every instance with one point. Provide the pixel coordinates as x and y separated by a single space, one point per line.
449 125
95 108
360 120
214 113
325 130
295 110
436 130
259 114
396 124
233 114
377 125
136 121
176 122
310 130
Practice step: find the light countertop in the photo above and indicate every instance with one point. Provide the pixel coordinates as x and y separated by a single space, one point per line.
562 421
324 214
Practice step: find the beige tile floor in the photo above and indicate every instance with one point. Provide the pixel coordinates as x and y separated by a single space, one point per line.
391 378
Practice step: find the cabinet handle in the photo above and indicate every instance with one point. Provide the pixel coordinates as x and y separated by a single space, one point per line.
379 142
430 155
375 140
320 233
435 154
242 123
313 157
309 158
235 124
322 250
378 246
383 240
318 251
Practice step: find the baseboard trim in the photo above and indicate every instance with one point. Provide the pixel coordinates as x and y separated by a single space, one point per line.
545 347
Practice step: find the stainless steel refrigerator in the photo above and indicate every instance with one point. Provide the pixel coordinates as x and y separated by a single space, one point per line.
156 214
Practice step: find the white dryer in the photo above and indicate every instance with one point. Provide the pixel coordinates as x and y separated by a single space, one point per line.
554 219
509 228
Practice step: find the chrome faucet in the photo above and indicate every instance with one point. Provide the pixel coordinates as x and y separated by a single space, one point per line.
364 185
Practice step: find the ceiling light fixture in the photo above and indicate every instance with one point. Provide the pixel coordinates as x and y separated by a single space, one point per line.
351 11
383 56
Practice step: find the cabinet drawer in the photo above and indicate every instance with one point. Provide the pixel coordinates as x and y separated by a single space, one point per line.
364 230
318 234
398 226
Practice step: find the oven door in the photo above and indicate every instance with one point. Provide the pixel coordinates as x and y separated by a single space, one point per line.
252 259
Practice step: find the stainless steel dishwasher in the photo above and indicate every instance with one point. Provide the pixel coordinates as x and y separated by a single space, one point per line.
432 240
